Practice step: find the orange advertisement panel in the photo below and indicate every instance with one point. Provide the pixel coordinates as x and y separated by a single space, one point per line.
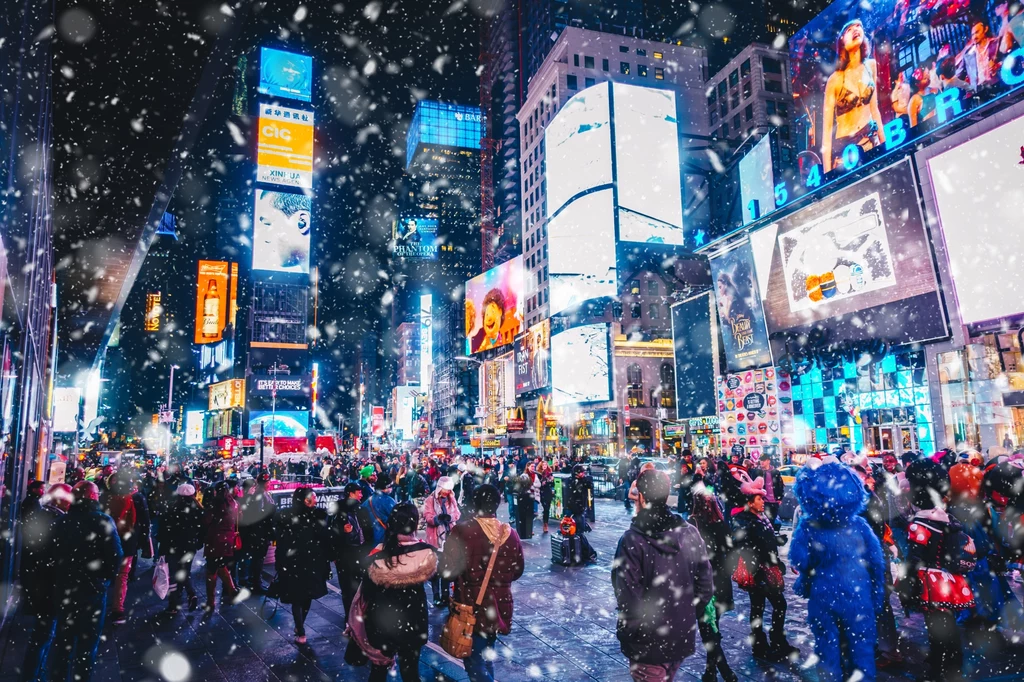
284 147
212 295
227 395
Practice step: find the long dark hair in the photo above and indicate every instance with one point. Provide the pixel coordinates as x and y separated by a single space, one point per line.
842 54
404 520
299 497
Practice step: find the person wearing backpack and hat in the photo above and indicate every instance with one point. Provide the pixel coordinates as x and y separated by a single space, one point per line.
465 560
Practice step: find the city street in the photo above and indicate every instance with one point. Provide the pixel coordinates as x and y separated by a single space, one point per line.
564 630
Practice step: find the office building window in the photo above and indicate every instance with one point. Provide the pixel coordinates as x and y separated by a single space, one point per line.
589 82
770 107
772 85
634 287
659 73
748 113
783 109
771 65
634 311
623 48
641 70
624 68
652 288
658 55
734 78
736 123
588 62
570 82
634 385
604 64
746 89
575 60
745 68
653 311
640 52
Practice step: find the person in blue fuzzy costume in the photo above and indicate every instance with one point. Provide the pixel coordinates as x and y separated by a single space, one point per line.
842 570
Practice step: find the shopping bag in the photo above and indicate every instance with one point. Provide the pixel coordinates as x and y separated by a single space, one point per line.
161 578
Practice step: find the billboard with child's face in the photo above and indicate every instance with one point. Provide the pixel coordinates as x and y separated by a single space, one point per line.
870 76
494 306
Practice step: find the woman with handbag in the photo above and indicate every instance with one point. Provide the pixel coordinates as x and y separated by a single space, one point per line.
181 537
484 557
708 517
395 596
220 542
760 571
304 556
441 513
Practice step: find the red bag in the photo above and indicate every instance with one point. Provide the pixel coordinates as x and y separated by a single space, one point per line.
742 575
944 590
772 578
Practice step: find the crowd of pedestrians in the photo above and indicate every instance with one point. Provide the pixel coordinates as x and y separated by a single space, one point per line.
942 533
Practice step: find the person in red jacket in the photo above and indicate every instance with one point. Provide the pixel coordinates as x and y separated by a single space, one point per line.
464 561
221 539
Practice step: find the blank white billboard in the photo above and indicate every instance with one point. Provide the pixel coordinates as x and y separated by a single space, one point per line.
578 147
580 365
66 401
757 180
581 251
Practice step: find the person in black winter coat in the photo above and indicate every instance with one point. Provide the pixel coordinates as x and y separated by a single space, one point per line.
181 537
256 513
303 556
708 517
577 504
347 543
143 530
37 576
663 582
87 555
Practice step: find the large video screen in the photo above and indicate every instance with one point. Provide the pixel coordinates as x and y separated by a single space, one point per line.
578 147
739 309
857 263
694 351
283 423
284 147
416 237
581 365
285 74
216 299
194 434
494 306
976 210
533 358
867 73
66 402
647 165
757 181
581 251
281 232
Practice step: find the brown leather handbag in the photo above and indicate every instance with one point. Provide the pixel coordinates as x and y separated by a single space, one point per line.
457 634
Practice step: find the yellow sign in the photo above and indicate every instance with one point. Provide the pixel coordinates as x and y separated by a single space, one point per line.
284 147
154 309
227 394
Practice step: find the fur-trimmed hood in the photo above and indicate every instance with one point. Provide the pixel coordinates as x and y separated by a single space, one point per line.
830 494
413 568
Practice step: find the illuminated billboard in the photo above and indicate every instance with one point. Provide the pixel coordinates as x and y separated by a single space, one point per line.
975 210
281 232
285 74
445 125
426 339
216 300
857 263
578 147
694 352
376 421
405 411
154 311
581 251
227 395
757 181
647 165
194 427
494 306
533 358
284 147
66 403
416 237
739 309
283 423
581 365
870 76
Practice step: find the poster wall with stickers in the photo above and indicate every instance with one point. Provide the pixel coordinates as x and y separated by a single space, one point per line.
755 412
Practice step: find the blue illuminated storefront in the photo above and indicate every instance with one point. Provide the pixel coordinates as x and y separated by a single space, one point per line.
882 406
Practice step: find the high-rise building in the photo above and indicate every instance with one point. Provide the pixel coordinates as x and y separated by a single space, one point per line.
752 91
408 344
581 59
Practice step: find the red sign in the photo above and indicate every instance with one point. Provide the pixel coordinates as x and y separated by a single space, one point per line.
625 415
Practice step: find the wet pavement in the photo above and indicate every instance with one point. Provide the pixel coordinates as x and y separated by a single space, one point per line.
564 630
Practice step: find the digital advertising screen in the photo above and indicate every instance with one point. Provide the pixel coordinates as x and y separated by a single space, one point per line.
426 338
284 147
227 395
285 74
283 423
194 428
416 237
578 147
757 181
694 349
975 210
647 165
405 411
581 251
377 426
216 299
533 358
66 402
581 365
281 232
857 263
494 306
869 75
739 309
